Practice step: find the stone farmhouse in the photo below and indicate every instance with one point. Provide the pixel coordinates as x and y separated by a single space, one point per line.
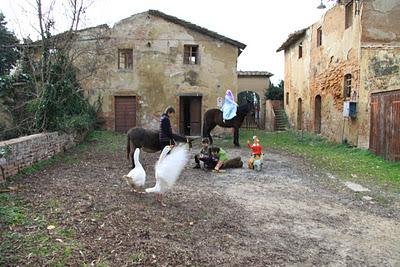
151 60
342 76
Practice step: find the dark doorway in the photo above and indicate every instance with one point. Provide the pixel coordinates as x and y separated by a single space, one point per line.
317 115
299 114
190 115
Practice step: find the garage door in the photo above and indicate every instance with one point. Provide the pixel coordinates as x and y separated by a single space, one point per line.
385 125
125 113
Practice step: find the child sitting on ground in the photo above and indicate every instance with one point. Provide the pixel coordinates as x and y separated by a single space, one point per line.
204 156
222 157
256 151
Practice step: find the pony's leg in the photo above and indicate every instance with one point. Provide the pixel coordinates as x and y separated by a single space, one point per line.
207 133
236 137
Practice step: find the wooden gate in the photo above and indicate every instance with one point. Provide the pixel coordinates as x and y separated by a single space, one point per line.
125 113
252 120
385 125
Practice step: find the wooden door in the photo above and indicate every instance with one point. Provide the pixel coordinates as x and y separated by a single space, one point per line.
195 115
125 113
299 114
385 125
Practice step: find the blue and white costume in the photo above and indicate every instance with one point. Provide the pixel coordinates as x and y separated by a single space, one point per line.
229 107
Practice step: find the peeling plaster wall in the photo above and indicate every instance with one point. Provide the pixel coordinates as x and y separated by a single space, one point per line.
369 50
380 57
380 22
337 56
297 76
321 72
159 75
380 71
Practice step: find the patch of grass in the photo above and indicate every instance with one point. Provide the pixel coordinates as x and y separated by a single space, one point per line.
106 141
137 258
348 163
25 239
11 211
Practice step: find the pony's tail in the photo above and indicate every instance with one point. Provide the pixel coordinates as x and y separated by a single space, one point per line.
128 148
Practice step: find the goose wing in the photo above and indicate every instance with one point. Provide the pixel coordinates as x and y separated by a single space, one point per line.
169 169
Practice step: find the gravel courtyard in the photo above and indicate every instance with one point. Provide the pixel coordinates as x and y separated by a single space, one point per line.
289 214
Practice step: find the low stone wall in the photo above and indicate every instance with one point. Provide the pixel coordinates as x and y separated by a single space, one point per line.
25 151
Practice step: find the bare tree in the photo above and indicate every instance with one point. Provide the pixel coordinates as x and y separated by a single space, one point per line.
40 56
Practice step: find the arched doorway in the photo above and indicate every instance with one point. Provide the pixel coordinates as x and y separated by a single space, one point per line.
252 120
299 114
317 114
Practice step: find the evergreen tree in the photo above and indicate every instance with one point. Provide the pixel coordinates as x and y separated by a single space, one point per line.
275 92
8 50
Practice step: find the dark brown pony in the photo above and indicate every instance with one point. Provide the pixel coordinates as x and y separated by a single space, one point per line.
148 140
213 117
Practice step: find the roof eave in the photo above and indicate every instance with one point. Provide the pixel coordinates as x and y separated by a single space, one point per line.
197 28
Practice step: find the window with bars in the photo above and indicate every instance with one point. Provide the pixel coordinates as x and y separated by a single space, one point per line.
347 86
301 50
125 58
319 36
191 55
349 15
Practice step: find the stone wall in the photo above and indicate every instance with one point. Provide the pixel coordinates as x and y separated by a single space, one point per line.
30 149
320 72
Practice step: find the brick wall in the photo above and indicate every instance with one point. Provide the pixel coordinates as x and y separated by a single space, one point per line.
29 149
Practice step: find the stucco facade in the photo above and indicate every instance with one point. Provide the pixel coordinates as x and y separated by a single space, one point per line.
355 57
158 76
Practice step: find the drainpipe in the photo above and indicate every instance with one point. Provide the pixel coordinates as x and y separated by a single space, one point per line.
358 7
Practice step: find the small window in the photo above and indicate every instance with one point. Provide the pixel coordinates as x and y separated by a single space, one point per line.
287 98
191 55
347 86
319 36
349 15
301 50
125 58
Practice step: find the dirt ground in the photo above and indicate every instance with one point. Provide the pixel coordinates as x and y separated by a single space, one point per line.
289 214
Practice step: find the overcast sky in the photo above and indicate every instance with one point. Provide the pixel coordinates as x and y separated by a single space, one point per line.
263 25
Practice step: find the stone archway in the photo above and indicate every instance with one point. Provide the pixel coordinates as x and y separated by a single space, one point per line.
252 120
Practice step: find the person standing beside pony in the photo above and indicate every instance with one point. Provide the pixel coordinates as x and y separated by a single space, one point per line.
166 137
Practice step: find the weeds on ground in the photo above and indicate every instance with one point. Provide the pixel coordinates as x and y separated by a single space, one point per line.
106 141
346 162
27 238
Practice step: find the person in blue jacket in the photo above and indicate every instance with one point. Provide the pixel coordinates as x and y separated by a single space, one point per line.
166 137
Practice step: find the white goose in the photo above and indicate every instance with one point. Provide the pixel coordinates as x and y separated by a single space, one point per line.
167 170
137 176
